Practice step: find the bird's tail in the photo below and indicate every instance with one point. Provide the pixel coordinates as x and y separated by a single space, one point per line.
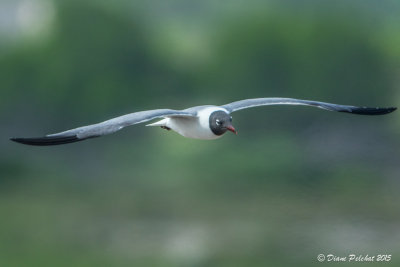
162 122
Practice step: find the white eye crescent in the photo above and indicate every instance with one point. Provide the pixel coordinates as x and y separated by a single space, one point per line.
218 122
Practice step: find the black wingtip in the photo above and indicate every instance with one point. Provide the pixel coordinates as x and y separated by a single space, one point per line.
371 111
47 140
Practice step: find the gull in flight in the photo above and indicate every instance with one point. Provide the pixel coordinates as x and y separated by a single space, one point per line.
201 122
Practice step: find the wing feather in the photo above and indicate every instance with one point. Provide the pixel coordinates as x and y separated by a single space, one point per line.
256 102
102 128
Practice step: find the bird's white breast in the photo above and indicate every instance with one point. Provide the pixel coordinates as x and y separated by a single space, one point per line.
197 127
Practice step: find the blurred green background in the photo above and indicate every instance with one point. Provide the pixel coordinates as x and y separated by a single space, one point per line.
294 183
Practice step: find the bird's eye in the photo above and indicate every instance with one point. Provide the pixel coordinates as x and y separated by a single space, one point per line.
218 122
230 118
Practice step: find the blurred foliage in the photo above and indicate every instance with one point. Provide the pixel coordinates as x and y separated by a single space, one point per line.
295 182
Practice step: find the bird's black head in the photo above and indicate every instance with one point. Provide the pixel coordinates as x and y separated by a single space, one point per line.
220 122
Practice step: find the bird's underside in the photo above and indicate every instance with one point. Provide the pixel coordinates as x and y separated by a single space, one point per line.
202 122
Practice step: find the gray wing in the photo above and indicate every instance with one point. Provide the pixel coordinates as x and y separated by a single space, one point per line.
102 128
256 102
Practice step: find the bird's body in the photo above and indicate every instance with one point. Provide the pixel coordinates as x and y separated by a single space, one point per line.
201 122
197 127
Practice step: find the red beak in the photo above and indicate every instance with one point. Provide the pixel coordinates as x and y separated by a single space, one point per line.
231 128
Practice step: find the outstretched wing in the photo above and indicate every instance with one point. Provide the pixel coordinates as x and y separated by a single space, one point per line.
256 102
103 128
